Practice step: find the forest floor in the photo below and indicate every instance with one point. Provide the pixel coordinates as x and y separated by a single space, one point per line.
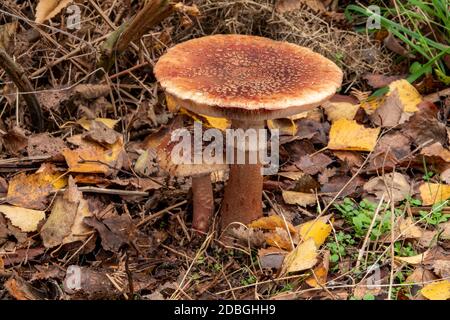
359 207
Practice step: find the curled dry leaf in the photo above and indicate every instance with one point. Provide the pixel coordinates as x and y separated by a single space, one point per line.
392 186
432 193
93 158
293 175
303 257
65 223
414 260
279 238
349 135
408 96
92 91
271 223
20 289
32 191
15 141
320 272
436 151
299 198
102 134
47 9
317 230
439 290
26 220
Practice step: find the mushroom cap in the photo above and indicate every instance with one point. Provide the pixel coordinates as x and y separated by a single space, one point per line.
246 77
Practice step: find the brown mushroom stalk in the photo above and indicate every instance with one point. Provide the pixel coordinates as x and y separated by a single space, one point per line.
203 202
243 191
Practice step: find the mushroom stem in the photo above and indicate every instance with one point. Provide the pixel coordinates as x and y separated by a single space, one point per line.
203 202
242 200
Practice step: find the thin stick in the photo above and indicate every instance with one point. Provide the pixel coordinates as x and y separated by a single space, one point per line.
18 76
108 191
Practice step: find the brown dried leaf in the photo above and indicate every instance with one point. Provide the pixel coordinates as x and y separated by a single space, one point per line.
279 238
15 141
102 134
271 223
394 186
65 223
47 9
32 191
299 198
45 145
26 220
271 258
92 91
93 158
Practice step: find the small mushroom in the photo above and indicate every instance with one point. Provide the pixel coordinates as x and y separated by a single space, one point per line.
202 192
248 80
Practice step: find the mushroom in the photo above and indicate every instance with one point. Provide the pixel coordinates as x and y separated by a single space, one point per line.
202 192
248 80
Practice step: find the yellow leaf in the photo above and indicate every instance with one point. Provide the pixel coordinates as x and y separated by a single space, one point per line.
299 198
437 290
293 175
371 105
318 230
86 124
279 239
408 95
301 258
94 158
319 278
349 135
340 110
286 126
271 223
47 9
432 193
31 191
417 259
26 220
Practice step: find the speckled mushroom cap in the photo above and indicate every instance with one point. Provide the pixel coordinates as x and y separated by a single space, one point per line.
246 77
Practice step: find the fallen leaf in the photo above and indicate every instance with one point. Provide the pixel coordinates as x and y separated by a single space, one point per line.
271 258
392 186
397 46
436 150
409 97
87 124
15 141
293 175
391 112
417 259
299 198
101 134
318 230
7 31
271 223
32 191
340 110
432 193
26 220
47 9
439 290
115 232
419 276
65 223
303 257
391 150
320 272
246 236
279 238
93 158
349 135
445 227
313 164
286 127
45 145
20 289
379 80
368 286
424 127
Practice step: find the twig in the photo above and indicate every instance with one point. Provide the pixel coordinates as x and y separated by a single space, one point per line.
160 213
108 191
18 76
